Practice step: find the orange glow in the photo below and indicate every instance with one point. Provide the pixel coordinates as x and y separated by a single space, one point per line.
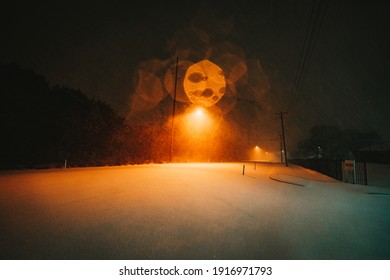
259 154
198 123
194 135
199 112
204 83
197 135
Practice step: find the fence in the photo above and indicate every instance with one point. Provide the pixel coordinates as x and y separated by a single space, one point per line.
331 168
355 172
348 171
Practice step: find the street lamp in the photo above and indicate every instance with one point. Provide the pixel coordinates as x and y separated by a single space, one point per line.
199 112
197 131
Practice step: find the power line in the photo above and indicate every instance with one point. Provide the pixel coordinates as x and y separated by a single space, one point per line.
298 74
317 16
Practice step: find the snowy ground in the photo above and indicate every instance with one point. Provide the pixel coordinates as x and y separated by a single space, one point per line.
190 211
378 174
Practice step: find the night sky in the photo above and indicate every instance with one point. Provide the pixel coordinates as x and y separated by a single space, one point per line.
105 49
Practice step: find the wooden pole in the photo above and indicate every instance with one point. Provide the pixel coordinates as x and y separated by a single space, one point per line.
173 110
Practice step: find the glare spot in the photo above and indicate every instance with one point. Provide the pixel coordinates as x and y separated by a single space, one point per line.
199 112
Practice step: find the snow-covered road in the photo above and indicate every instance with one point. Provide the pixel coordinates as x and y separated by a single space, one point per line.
190 211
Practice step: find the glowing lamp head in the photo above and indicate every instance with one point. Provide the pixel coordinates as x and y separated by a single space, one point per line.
199 112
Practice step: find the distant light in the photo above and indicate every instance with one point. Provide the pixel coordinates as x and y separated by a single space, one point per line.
257 148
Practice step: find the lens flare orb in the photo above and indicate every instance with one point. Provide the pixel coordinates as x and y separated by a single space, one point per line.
204 83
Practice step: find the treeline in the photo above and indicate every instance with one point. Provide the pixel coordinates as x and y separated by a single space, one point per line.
332 142
43 126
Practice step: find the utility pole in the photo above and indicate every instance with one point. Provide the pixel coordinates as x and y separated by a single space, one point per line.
284 139
174 107
281 147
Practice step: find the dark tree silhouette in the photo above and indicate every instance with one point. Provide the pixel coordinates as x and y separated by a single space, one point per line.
44 126
331 142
